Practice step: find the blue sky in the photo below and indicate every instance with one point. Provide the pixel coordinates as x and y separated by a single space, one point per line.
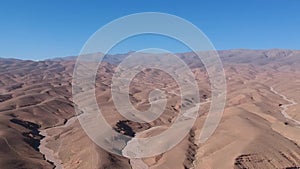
40 29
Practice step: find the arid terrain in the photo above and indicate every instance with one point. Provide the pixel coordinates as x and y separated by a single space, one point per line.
260 127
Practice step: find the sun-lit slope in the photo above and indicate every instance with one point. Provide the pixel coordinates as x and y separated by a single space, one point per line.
253 133
35 96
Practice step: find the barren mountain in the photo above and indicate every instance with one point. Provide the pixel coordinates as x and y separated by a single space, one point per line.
260 127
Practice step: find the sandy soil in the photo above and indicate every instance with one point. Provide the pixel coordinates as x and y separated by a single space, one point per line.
259 127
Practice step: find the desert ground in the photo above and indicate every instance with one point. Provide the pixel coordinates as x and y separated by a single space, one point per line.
260 126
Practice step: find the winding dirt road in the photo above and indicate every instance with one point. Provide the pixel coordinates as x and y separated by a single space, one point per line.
285 107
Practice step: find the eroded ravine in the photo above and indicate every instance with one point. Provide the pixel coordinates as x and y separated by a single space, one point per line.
49 154
138 163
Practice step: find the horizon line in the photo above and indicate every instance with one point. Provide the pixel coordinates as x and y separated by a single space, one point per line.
131 51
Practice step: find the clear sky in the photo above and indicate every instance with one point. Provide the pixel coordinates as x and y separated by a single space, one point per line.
40 29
